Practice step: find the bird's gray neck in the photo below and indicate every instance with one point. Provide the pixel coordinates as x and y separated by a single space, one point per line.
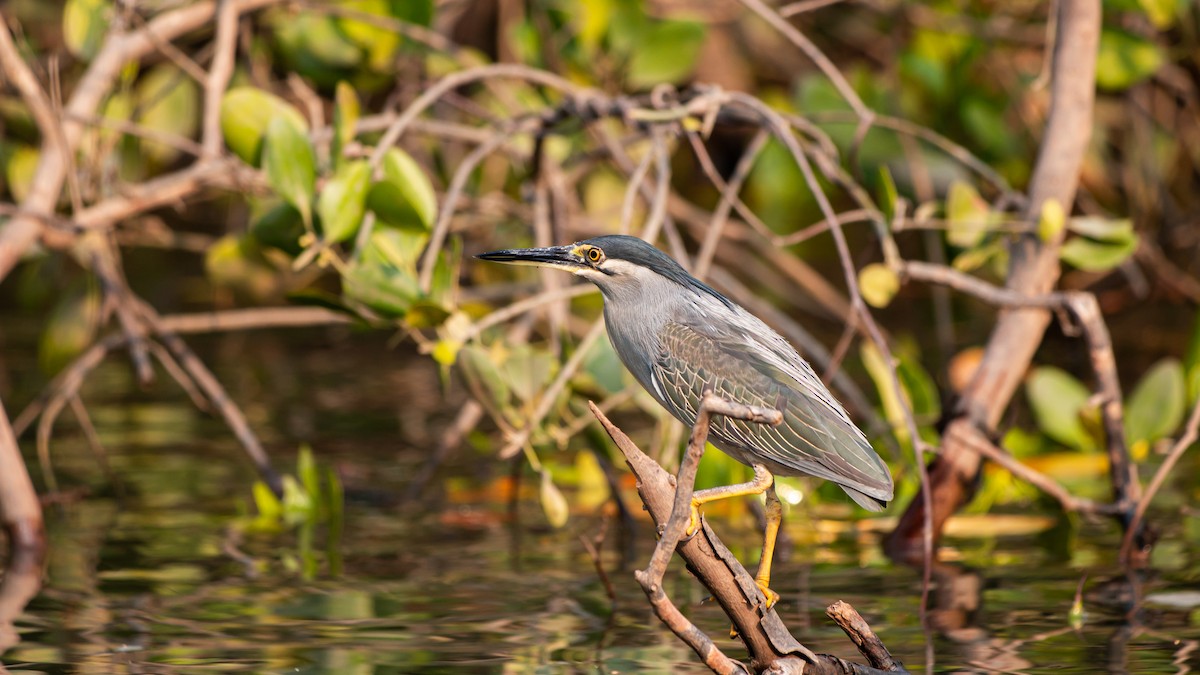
635 310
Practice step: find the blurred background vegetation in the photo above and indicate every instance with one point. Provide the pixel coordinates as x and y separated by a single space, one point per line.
396 332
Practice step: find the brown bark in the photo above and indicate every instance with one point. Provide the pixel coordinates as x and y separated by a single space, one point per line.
1033 270
764 634
21 515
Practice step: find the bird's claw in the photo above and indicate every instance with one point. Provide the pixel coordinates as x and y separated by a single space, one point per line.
693 522
771 597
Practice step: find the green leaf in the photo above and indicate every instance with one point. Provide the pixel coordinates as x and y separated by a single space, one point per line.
265 502
1052 220
1116 231
380 43
169 101
298 505
893 406
245 114
19 171
1096 256
1125 60
405 196
554 504
237 262
891 196
528 371
315 45
343 201
419 12
592 22
1162 13
878 284
346 110
306 470
279 227
385 289
1057 400
966 215
974 258
290 165
71 328
482 364
1191 357
335 498
665 52
920 388
384 276
1156 407
604 367
85 23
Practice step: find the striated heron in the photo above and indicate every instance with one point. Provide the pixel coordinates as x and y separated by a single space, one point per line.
679 338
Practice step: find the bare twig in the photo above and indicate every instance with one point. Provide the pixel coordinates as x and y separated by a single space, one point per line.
860 633
224 56
978 443
21 517
729 194
814 54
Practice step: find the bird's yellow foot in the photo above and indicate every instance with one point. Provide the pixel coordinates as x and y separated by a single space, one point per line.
771 596
694 522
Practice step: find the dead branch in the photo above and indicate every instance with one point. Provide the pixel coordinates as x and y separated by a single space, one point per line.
770 644
860 633
19 233
1033 271
21 516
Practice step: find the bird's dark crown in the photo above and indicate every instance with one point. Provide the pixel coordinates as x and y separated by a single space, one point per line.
638 252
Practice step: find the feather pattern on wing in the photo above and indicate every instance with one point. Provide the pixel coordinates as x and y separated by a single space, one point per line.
753 365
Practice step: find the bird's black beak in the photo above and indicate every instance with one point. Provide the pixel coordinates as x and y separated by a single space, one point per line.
560 257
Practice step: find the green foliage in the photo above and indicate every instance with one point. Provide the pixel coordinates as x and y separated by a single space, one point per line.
277 226
1102 245
1125 59
554 504
1156 406
346 111
1059 401
967 215
878 284
85 23
919 392
245 114
312 498
384 276
343 201
404 197
665 52
71 328
169 102
290 165
20 169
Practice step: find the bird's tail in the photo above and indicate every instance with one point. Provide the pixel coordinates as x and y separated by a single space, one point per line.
866 501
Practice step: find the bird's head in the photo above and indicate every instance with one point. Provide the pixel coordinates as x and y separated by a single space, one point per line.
614 262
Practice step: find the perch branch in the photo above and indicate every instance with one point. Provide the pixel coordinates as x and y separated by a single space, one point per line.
770 645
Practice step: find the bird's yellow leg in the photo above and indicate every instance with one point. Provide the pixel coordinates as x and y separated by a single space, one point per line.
774 517
760 483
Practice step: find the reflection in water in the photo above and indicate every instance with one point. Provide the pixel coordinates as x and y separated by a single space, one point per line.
460 585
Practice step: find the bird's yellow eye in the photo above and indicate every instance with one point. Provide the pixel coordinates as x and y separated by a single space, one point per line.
594 255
